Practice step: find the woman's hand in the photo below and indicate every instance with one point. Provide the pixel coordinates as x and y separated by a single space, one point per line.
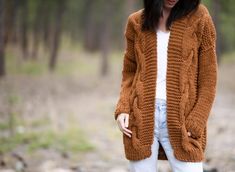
123 122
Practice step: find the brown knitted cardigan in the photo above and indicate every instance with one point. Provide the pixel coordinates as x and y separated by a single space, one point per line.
191 85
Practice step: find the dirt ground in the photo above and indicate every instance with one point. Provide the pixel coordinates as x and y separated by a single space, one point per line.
91 102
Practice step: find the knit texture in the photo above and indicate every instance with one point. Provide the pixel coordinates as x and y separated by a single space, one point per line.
191 85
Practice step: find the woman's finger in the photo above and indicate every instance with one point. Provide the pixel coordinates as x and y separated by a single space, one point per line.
127 130
129 135
122 124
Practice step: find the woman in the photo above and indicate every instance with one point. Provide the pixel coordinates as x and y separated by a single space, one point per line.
168 85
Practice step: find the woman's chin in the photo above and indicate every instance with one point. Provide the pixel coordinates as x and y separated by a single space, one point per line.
169 6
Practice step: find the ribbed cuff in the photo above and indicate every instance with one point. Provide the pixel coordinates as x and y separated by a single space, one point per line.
121 109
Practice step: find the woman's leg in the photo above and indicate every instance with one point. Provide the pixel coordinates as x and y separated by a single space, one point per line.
176 165
149 164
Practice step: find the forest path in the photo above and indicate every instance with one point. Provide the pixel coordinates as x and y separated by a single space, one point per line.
90 103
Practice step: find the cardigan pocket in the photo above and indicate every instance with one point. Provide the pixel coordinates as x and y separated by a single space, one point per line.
134 125
189 143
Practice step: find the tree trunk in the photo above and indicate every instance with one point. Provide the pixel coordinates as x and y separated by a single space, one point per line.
2 45
10 20
57 34
46 14
89 24
14 38
106 36
24 28
37 28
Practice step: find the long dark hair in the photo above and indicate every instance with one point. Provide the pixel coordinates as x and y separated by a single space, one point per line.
153 11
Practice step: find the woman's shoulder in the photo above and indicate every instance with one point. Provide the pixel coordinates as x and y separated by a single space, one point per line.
198 15
201 11
196 19
136 16
199 19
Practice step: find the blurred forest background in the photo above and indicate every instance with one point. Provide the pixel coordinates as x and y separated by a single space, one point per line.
60 74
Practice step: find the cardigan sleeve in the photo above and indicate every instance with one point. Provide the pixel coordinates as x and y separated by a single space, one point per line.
207 80
128 71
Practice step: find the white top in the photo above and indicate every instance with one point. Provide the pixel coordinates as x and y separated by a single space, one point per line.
162 46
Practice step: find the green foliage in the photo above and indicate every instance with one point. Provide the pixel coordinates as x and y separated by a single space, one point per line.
39 122
37 134
207 3
227 22
75 61
79 16
4 126
229 57
71 139
30 67
13 99
9 143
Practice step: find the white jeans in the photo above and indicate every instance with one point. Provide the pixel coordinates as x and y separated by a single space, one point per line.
150 164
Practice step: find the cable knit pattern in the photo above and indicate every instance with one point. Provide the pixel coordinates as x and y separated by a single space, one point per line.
191 85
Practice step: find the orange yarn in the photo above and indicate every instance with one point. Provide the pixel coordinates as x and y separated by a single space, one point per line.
191 85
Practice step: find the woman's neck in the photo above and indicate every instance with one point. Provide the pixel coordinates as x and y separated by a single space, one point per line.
163 19
166 12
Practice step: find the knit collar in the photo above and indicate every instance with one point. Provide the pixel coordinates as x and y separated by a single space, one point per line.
147 49
177 30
